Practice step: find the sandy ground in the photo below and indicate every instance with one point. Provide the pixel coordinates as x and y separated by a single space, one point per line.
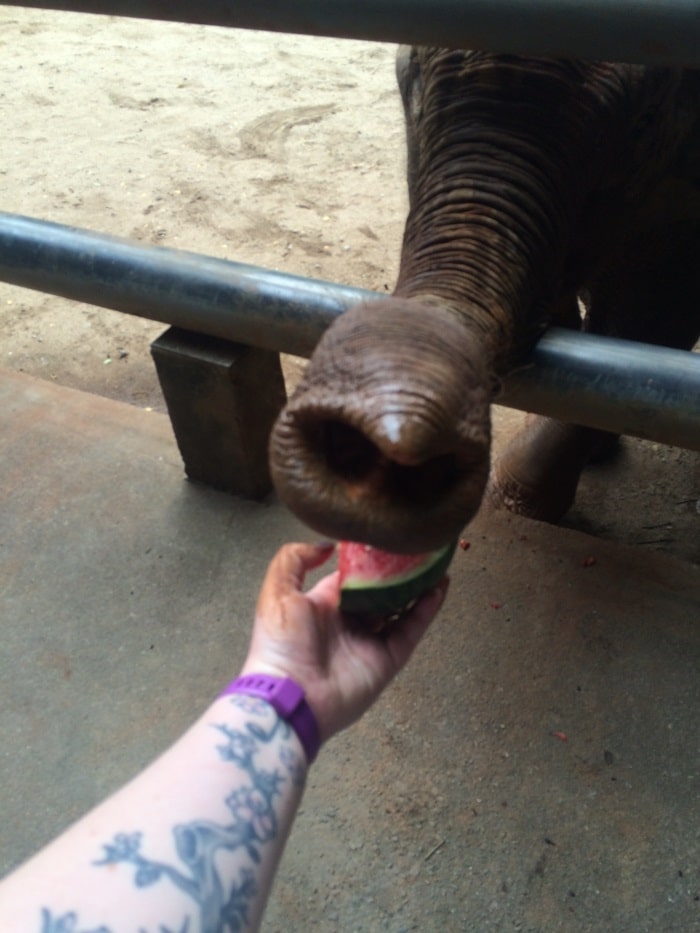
281 151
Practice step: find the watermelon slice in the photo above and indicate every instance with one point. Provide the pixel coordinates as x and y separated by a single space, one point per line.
383 585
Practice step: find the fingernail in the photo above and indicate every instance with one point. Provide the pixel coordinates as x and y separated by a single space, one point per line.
326 545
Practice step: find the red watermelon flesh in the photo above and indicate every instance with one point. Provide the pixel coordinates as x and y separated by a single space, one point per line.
382 584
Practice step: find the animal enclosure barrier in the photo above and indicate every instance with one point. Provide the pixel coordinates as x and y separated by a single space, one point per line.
231 318
219 365
654 32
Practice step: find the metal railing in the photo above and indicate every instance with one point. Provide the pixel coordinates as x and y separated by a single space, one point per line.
644 31
616 385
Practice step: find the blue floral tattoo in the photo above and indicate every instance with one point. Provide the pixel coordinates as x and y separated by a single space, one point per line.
68 923
222 907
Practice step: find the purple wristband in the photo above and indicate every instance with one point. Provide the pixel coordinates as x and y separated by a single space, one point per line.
287 698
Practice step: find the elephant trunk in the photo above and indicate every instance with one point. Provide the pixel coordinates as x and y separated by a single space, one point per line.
502 154
386 440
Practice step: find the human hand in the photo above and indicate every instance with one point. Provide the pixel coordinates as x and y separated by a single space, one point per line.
305 637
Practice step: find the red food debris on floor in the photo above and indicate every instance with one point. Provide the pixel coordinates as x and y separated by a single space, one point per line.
588 561
464 544
495 605
562 736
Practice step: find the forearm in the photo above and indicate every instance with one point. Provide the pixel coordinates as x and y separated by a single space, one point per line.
190 844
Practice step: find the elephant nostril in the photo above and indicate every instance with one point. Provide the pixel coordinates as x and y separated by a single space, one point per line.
347 452
425 483
358 462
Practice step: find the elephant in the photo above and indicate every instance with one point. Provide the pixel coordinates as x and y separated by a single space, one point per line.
541 192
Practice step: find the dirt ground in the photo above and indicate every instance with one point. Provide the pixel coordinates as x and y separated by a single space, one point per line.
281 151
534 768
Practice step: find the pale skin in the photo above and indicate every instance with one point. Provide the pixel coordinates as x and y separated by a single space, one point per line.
191 844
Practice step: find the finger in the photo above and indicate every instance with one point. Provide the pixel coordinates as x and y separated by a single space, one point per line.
288 569
326 592
317 553
406 634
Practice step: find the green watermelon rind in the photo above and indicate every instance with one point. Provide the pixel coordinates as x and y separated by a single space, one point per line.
379 597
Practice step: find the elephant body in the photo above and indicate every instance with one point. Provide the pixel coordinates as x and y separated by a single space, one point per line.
540 192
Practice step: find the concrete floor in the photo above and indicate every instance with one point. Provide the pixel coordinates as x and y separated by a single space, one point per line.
537 767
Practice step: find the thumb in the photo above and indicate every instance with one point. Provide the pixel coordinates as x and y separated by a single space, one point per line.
288 569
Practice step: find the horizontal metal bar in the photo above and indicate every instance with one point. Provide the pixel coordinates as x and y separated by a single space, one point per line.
629 388
644 31
616 385
226 299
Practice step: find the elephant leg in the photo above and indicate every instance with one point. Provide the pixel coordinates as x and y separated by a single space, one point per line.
650 293
538 472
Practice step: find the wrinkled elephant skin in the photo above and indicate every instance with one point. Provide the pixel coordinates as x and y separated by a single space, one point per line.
537 188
